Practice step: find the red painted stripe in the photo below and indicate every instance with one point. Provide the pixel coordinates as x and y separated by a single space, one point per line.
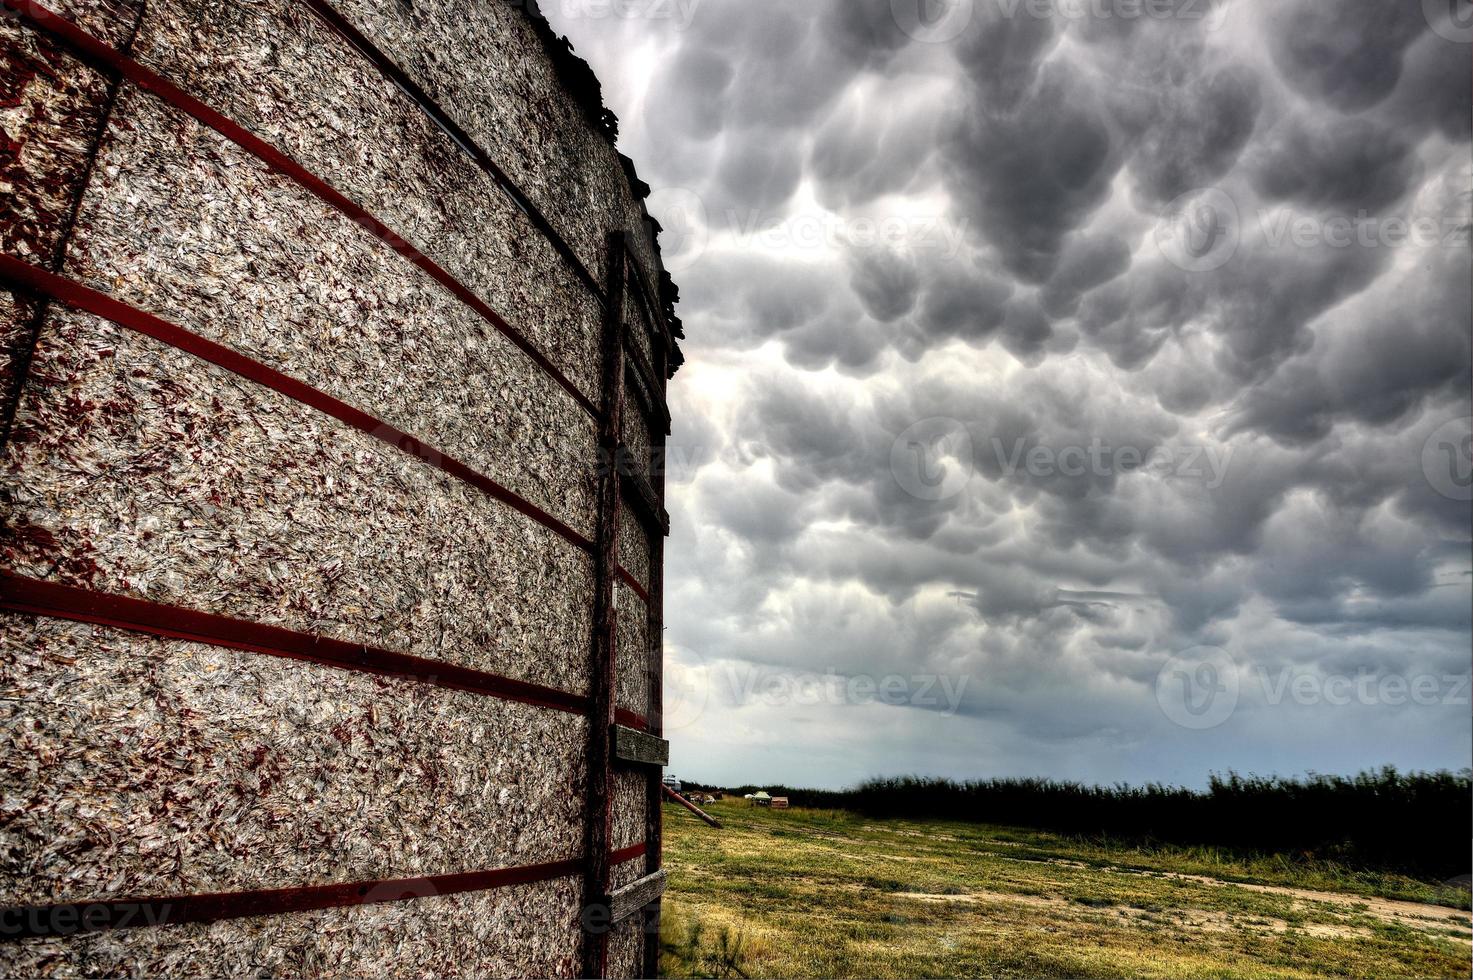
355 38
73 918
627 577
99 53
629 853
27 595
78 918
80 297
629 719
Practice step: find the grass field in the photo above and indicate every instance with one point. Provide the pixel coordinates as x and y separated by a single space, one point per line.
814 893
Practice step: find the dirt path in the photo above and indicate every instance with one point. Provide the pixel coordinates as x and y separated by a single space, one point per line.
1412 914
1200 919
1386 909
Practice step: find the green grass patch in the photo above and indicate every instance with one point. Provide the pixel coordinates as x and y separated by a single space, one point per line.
813 893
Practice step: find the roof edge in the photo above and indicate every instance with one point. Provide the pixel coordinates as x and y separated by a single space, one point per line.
581 83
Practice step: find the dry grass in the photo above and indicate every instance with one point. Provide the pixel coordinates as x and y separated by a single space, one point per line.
807 893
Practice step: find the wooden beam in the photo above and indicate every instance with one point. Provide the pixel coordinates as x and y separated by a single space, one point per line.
645 402
633 897
640 748
599 813
650 298
655 664
646 373
691 807
637 491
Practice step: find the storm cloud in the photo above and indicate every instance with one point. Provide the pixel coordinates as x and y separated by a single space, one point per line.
1032 346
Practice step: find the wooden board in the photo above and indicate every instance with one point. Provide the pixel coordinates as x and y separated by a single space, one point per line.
640 747
631 898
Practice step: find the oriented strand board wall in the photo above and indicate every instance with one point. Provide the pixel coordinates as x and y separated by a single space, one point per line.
436 496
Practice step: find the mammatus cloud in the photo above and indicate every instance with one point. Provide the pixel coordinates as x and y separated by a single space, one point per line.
1033 345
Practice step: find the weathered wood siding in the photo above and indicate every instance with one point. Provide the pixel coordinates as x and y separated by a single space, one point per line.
380 429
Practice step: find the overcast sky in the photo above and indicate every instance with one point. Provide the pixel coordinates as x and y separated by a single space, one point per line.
1074 389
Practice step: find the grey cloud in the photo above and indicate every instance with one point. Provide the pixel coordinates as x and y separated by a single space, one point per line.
886 282
1089 261
703 77
1429 96
1025 179
1322 370
844 338
1259 304
1445 609
1348 56
1026 330
866 32
1381 358
1191 131
961 301
756 296
1351 165
758 173
862 152
1203 135
1002 55
1185 109
755 512
814 439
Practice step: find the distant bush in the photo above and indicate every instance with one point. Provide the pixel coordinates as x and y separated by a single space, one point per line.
1413 823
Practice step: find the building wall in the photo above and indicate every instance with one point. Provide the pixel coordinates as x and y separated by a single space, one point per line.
435 495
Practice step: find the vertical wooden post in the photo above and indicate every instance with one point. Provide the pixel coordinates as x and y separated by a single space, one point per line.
606 567
655 655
